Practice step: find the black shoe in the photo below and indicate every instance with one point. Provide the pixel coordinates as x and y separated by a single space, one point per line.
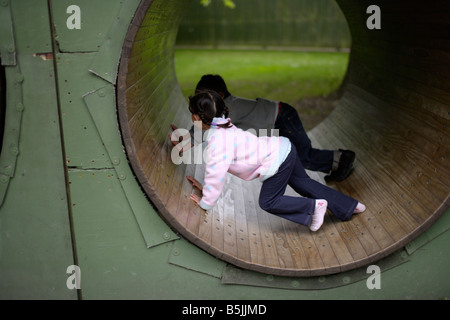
345 166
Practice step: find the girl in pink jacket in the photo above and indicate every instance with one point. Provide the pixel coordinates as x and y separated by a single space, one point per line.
271 159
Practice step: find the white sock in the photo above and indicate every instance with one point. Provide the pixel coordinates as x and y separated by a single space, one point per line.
359 208
319 214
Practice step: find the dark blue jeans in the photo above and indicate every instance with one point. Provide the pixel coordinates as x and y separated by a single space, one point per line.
300 209
290 126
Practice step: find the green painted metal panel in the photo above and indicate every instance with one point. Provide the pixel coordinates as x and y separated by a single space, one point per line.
115 265
7 43
35 238
96 18
188 256
12 129
233 275
84 148
106 62
31 26
101 105
91 132
111 254
438 228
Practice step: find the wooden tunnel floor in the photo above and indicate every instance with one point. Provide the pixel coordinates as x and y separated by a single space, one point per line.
402 188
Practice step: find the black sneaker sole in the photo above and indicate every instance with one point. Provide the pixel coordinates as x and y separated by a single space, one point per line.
345 167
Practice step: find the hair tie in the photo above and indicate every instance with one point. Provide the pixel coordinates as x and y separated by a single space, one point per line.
213 124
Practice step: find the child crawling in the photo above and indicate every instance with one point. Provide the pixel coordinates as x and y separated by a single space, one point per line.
271 159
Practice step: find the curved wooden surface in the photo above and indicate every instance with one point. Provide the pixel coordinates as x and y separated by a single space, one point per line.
394 113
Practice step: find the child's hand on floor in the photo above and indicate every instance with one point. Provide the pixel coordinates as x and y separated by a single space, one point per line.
196 199
195 183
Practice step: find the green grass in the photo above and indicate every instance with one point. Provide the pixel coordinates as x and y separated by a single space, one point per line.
279 75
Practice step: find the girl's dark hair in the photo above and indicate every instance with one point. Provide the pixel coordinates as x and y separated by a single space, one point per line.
208 105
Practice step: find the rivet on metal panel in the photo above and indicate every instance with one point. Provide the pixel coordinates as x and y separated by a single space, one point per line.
19 78
322 279
19 106
122 176
4 179
101 93
166 236
346 280
4 3
269 278
176 252
295 284
115 160
14 150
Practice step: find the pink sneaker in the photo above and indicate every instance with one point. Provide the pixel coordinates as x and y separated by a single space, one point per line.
360 208
319 214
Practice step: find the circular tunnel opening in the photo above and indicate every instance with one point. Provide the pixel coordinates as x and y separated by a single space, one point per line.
393 113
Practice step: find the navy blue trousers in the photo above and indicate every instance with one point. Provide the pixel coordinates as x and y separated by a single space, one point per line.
301 209
290 126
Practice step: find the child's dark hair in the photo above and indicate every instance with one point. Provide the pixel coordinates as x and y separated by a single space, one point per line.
213 82
208 105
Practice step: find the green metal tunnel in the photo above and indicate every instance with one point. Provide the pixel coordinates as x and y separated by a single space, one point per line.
85 176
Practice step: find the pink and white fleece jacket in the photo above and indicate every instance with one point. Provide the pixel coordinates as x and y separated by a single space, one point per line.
240 153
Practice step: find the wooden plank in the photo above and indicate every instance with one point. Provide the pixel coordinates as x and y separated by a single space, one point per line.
282 244
241 223
294 244
336 243
229 221
195 215
350 239
257 254
325 251
217 240
315 262
267 237
142 94
176 190
181 214
141 123
205 228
